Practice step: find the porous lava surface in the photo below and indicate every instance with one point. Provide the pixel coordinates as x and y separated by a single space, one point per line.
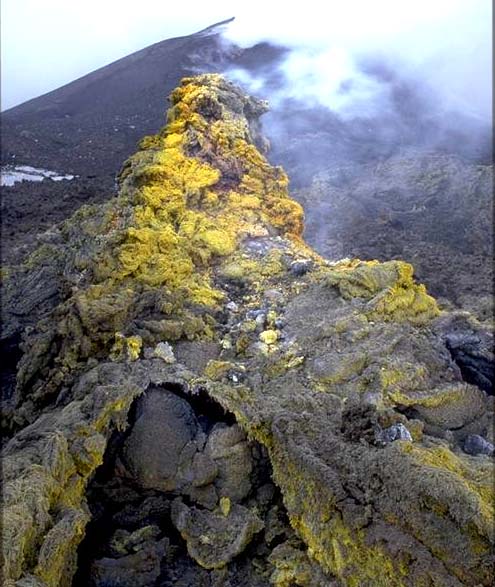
201 399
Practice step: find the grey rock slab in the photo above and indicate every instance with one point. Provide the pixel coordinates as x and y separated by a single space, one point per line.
213 539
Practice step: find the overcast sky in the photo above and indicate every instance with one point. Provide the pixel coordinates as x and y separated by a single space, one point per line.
47 43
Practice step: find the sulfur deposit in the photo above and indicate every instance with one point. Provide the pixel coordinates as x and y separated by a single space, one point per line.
203 400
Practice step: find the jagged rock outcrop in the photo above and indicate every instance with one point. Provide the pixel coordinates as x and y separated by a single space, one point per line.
196 346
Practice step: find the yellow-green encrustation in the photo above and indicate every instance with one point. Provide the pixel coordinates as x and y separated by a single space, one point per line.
202 249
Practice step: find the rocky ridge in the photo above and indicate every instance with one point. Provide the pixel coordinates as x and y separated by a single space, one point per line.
210 402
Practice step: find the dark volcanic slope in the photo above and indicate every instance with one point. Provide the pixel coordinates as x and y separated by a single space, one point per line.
434 210
90 126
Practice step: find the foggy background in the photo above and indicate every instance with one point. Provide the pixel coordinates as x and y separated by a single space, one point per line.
444 44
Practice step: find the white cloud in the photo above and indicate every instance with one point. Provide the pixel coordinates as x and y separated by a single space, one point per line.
46 44
443 43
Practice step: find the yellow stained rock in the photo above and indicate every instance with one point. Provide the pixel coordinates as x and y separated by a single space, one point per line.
225 505
269 336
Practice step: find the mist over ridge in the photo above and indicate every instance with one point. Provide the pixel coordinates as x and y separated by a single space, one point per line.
445 46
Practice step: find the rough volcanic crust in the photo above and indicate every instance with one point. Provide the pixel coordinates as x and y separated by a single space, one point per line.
317 362
432 209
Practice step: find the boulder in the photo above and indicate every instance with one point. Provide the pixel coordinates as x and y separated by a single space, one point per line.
214 539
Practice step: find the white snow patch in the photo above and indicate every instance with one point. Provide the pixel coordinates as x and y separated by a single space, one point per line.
10 175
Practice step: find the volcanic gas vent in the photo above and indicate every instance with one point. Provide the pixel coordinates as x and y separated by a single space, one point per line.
206 401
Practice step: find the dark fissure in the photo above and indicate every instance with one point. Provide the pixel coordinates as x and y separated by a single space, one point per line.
174 493
476 368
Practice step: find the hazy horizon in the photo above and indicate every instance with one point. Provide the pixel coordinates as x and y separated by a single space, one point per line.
445 42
